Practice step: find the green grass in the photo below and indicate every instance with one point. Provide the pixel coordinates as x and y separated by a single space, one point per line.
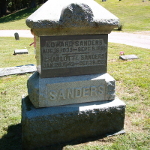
7 47
132 81
132 86
133 14
16 20
11 90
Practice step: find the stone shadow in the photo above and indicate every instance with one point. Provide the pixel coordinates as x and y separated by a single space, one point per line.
12 140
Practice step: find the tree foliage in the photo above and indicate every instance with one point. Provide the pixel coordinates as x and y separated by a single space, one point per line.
9 6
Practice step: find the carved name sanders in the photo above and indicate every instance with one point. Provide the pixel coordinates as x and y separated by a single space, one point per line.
73 93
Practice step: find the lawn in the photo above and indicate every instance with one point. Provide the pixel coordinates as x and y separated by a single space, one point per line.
134 15
132 80
132 86
16 21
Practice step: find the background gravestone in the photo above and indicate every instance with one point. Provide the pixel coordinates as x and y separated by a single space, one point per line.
20 51
128 57
71 96
16 36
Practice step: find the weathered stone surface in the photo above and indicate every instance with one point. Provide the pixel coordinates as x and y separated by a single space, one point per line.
46 92
73 21
78 95
20 51
59 56
17 70
128 57
72 17
55 125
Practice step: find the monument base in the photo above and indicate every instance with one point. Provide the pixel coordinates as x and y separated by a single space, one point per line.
47 92
60 124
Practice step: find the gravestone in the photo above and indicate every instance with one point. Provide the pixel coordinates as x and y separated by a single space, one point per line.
20 51
71 96
17 70
16 36
73 55
128 57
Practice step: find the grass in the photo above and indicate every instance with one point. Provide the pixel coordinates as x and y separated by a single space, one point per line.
11 90
16 20
8 45
133 14
132 86
132 81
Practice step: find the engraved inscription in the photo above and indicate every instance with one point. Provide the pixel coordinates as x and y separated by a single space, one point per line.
73 53
77 92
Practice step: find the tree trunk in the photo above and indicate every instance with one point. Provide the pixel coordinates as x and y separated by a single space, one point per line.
3 7
33 3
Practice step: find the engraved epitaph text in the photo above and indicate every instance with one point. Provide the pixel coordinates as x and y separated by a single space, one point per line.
73 52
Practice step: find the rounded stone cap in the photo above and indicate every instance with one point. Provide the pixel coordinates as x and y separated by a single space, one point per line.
76 15
71 17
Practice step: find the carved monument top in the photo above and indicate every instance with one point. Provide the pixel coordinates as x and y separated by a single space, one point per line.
71 17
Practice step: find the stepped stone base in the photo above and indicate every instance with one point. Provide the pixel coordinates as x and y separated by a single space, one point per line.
60 124
46 92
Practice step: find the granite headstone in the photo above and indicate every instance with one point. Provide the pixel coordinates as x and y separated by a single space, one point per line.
72 96
72 40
